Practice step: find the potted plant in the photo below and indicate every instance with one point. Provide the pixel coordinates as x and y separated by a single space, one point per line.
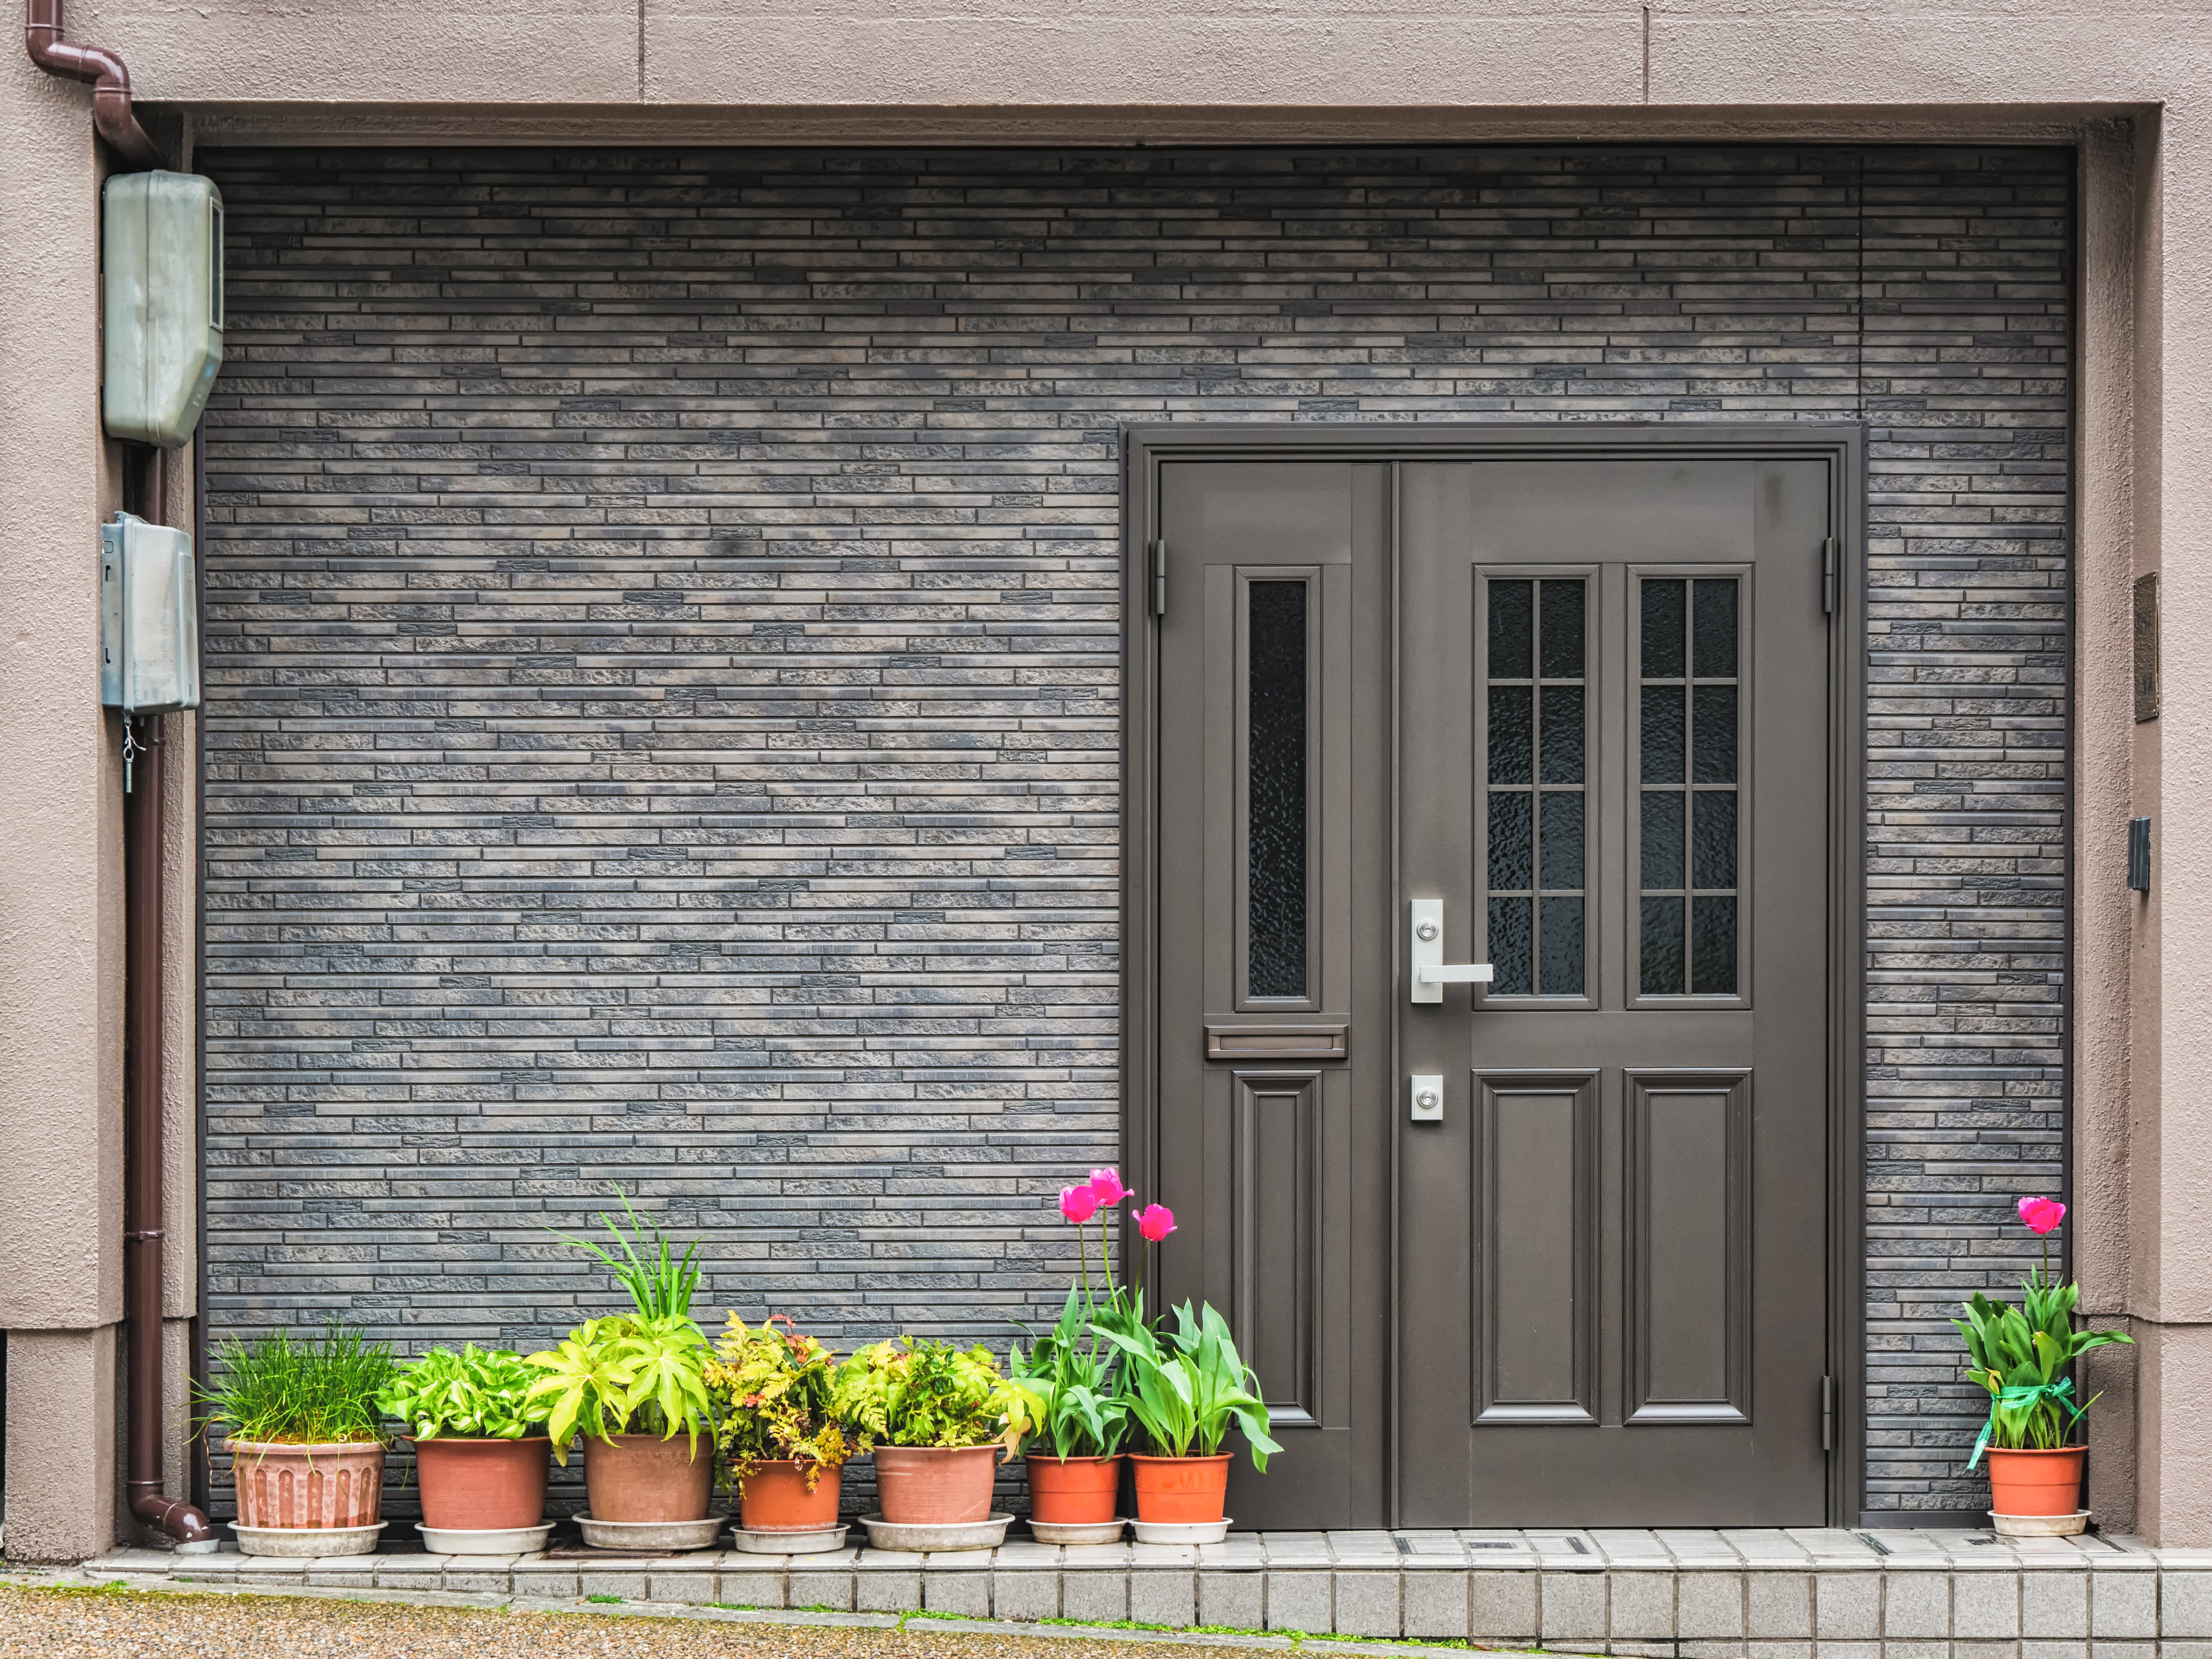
480 1446
632 1385
1074 1453
2022 1356
938 1418
305 1439
781 1442
1185 1392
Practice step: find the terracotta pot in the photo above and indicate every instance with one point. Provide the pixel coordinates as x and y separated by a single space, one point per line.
773 1497
641 1476
2036 1482
934 1486
1080 1492
480 1486
281 1483
1181 1490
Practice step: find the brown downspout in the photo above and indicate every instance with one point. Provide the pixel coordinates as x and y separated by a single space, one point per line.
142 1155
111 115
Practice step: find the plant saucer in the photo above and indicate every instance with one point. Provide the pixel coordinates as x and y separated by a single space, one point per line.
652 1534
2039 1526
808 1542
1077 1531
1181 1532
987 1535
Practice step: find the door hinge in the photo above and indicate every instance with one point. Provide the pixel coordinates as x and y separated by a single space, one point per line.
1828 577
1160 577
1827 1413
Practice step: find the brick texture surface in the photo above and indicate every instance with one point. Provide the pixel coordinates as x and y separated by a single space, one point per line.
662 642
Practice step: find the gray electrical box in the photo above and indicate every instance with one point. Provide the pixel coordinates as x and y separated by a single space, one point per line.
150 619
161 303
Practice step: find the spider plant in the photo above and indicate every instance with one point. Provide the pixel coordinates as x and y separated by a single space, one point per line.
660 1285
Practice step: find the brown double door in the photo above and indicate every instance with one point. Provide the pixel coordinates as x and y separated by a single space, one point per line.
1550 1249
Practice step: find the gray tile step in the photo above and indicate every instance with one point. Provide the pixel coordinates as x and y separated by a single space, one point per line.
1682 1593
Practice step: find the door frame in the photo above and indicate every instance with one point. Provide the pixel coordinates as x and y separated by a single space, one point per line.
1842 447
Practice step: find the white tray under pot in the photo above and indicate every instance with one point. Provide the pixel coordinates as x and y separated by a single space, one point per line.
2039 1526
1181 1532
985 1535
485 1541
810 1541
302 1542
1077 1531
676 1535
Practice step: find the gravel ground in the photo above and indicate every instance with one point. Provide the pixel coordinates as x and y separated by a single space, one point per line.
103 1623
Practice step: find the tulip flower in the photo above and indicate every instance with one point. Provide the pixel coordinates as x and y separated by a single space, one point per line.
1078 1204
2041 1215
1155 1222
1107 1184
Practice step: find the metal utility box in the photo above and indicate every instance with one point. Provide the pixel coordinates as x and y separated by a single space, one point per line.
161 303
149 621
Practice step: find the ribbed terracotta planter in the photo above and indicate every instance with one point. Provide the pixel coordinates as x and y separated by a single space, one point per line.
773 1497
641 1476
2036 1482
1078 1492
934 1486
1181 1490
283 1485
483 1486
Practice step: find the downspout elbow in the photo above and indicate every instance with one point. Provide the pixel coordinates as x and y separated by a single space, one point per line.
172 1515
113 116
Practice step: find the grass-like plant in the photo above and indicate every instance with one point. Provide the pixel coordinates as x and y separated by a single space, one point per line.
313 1391
660 1285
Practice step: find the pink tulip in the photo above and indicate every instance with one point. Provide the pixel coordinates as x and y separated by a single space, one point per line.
1078 1204
1155 1222
1106 1185
2041 1215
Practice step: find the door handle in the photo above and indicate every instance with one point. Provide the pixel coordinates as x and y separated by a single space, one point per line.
1430 972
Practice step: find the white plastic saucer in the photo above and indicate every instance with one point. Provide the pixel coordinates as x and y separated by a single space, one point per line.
1181 1532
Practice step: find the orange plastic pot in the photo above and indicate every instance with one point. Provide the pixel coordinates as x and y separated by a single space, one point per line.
1077 1493
773 1497
1181 1490
281 1483
483 1486
641 1476
2036 1482
934 1486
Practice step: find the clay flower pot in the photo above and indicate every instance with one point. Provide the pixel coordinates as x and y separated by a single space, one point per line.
1078 1492
641 1476
481 1485
1181 1490
2036 1482
773 1497
934 1486
281 1483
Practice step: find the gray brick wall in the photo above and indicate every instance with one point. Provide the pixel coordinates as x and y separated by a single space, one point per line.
662 673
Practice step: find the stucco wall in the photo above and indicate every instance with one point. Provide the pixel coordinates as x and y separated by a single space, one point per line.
1672 69
663 710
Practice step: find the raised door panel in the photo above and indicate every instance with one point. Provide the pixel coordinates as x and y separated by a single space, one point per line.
1535 1187
1689 1240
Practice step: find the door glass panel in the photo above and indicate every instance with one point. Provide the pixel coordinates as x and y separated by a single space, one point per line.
1689 832
1276 797
1537 732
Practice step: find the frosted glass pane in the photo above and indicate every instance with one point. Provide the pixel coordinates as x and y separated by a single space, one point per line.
1276 832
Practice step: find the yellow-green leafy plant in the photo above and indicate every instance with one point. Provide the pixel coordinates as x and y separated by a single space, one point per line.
609 1371
904 1392
772 1393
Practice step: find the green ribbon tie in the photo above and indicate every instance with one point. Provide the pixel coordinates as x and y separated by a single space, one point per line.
2028 1396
